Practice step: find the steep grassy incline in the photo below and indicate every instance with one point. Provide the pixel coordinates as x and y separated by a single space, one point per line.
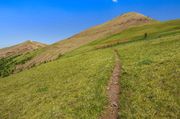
150 70
150 74
101 31
70 88
131 35
150 78
13 57
74 86
10 64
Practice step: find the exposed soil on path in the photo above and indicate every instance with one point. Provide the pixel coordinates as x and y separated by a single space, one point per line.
113 91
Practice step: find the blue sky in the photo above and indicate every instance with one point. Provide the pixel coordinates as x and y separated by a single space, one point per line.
49 21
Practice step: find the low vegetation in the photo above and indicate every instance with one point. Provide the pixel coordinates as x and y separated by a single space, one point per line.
71 88
74 86
150 79
8 64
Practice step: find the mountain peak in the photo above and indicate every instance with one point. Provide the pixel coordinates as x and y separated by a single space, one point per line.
132 17
29 41
133 14
21 48
114 26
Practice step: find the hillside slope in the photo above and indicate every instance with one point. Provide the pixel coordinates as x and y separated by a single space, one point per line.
112 27
19 49
74 86
14 56
150 82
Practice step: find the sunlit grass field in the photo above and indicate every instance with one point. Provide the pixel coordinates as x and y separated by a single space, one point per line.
70 88
150 81
74 86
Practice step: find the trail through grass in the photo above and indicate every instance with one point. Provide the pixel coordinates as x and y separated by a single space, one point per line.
74 86
150 79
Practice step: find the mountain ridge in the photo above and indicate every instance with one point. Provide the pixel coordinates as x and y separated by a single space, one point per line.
111 27
21 48
76 85
53 51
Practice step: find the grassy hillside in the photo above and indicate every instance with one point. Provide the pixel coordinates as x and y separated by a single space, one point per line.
13 57
74 86
71 87
150 78
9 65
114 26
155 30
150 70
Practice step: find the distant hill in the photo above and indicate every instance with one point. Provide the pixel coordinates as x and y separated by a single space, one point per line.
12 57
19 49
114 26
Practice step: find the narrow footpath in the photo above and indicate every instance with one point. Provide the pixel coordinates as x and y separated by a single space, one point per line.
113 91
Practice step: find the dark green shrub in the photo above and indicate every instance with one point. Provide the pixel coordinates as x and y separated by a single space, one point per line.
145 35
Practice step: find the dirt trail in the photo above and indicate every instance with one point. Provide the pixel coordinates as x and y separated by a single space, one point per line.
113 91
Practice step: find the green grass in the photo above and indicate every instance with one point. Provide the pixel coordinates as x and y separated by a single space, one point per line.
150 76
150 82
74 86
8 64
133 34
154 30
70 88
